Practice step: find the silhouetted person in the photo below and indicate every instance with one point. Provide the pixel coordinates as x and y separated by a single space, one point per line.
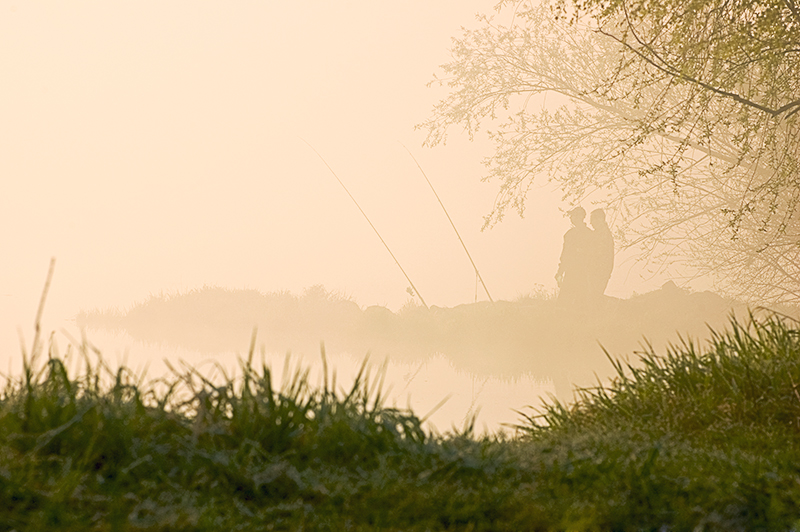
601 255
574 270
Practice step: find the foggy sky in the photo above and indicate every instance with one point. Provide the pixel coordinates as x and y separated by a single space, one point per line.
155 147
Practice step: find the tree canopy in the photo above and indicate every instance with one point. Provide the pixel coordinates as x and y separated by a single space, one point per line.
682 118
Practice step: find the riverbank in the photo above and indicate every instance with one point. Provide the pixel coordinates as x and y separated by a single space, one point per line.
695 438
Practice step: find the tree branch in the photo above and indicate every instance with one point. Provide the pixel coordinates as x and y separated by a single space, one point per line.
672 71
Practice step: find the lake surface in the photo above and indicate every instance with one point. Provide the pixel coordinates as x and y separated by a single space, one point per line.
421 385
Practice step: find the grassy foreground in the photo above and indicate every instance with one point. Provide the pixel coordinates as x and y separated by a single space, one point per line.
696 439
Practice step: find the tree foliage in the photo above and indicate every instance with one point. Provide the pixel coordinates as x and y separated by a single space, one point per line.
682 118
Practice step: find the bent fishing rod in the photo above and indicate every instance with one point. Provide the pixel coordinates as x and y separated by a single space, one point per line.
451 223
414 288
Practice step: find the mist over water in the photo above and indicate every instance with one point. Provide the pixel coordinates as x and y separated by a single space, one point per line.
489 360
157 149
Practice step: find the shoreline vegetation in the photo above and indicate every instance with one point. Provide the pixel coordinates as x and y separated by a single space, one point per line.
533 335
698 438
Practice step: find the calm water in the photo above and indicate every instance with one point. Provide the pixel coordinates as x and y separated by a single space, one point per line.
421 385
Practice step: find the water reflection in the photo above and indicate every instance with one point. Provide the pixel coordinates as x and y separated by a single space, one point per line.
422 386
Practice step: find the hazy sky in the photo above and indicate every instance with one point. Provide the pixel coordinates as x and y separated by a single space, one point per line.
157 146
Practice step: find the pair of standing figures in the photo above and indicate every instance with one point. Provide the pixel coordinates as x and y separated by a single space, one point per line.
587 258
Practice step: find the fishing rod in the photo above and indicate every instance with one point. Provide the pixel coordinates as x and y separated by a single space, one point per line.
414 288
477 273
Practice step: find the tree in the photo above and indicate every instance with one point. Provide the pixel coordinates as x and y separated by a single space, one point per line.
681 118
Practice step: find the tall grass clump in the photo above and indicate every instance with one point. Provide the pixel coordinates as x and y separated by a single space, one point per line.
700 438
747 378
106 450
